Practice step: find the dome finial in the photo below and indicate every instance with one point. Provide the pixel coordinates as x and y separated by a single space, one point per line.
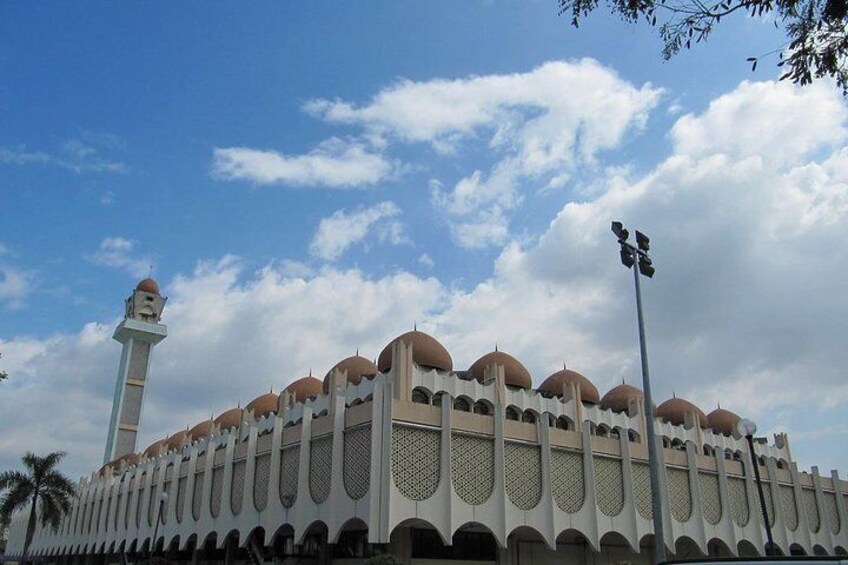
622 380
357 352
496 347
563 366
718 405
673 394
415 326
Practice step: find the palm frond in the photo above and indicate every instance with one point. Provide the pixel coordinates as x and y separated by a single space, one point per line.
60 483
15 499
10 479
51 514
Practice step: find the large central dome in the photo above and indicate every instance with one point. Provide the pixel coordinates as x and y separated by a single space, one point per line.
426 352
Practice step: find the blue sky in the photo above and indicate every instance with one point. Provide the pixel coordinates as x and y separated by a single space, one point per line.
308 180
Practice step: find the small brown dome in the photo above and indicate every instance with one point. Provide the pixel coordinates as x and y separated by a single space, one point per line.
356 367
153 449
201 430
722 421
263 405
229 419
176 440
674 410
553 385
515 374
120 462
305 388
148 285
426 352
618 397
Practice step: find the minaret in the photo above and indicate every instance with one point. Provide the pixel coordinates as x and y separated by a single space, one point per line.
138 332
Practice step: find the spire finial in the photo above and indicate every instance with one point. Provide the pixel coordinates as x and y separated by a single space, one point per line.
496 347
563 366
150 271
622 380
718 405
357 352
415 326
310 371
673 394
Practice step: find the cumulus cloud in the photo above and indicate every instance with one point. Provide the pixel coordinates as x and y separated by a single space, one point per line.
15 285
335 163
342 229
79 155
119 253
746 307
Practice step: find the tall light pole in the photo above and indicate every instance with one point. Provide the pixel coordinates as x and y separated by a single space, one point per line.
163 498
632 256
747 429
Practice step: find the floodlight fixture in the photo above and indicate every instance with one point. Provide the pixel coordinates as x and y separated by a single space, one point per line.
646 266
619 231
626 257
643 241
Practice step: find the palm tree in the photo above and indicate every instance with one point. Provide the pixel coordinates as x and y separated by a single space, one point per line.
47 492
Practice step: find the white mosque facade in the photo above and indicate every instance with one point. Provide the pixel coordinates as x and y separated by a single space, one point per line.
411 457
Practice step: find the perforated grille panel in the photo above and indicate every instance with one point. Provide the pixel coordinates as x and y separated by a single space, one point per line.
769 505
130 499
609 485
472 467
261 480
567 481
790 509
237 486
738 496
710 499
152 504
217 491
117 522
320 468
523 474
197 495
416 453
289 464
181 495
139 507
642 490
811 508
357 461
680 497
831 511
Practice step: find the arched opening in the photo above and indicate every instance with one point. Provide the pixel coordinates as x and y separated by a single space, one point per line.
615 433
603 431
633 436
209 550
772 549
572 546
437 398
564 423
352 542
796 549
678 444
529 417
512 413
666 442
420 396
593 429
314 542
420 536
839 550
530 546
282 543
686 548
615 549
717 548
746 549
483 408
819 550
708 450
462 404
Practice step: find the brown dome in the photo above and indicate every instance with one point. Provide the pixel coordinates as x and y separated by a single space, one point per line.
229 419
426 352
722 421
153 449
148 285
201 430
263 405
356 367
176 440
305 388
618 397
674 410
515 374
125 461
553 385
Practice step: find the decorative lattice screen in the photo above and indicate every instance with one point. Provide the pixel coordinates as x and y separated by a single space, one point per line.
152 504
790 509
181 495
130 492
261 480
118 510
609 487
679 494
738 496
567 480
710 499
472 467
642 490
197 495
769 505
357 461
217 491
320 468
237 486
416 455
811 508
289 464
523 474
831 511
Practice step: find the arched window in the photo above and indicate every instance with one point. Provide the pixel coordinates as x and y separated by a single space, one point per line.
615 433
437 398
528 417
482 407
633 436
593 429
512 413
678 444
420 396
603 431
666 442
708 450
461 404
563 423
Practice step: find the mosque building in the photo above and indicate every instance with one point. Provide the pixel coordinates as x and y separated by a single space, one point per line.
413 457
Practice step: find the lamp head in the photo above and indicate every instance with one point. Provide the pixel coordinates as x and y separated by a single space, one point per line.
643 241
619 231
164 496
746 427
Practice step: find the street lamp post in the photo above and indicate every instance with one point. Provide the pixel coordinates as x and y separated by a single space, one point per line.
163 498
637 257
747 429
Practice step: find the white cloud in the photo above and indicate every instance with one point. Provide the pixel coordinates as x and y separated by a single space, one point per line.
426 261
335 163
81 155
342 229
118 253
15 285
